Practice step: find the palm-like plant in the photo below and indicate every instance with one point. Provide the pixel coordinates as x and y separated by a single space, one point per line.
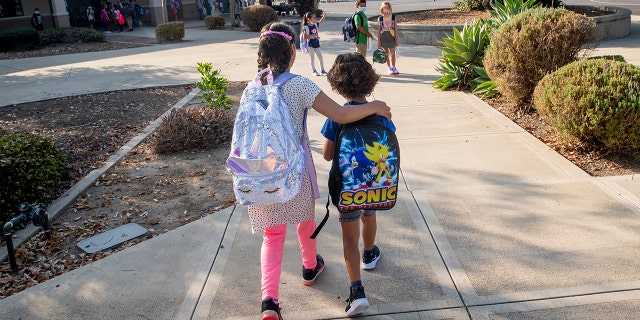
462 53
503 11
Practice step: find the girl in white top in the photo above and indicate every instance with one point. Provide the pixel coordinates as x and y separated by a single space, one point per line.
310 28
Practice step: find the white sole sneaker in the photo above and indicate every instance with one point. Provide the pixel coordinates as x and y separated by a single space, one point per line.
358 306
372 264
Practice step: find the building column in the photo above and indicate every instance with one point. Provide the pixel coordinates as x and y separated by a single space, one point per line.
159 14
59 14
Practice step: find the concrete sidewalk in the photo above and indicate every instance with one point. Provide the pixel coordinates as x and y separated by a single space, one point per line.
491 224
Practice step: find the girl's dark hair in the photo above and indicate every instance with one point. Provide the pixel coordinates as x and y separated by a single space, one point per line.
306 17
274 50
352 76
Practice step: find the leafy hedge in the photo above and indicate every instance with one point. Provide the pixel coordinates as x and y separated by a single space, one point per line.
170 31
31 170
533 43
19 38
257 15
593 100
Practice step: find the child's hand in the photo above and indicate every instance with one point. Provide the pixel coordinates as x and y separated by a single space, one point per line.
382 109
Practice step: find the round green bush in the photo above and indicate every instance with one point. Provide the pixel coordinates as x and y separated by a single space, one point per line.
19 38
70 35
170 31
257 15
468 5
593 100
31 170
212 22
533 43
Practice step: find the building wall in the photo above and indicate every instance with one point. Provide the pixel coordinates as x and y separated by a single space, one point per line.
57 15
28 6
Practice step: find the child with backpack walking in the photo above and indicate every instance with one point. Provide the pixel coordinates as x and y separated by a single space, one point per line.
343 79
310 34
388 35
276 55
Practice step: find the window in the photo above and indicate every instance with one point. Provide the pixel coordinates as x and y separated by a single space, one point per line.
11 8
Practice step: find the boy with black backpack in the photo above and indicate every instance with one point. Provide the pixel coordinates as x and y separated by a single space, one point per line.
355 87
362 26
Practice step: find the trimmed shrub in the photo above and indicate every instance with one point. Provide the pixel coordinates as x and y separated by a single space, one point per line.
468 5
19 38
53 35
193 128
595 101
31 170
533 43
257 15
170 31
615 57
213 22
70 35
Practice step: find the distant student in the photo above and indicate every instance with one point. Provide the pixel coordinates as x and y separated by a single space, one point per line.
201 9
175 7
276 55
129 13
36 20
311 35
388 35
104 18
362 24
354 79
91 16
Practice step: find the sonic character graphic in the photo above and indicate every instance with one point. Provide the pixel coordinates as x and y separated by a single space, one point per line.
358 165
379 154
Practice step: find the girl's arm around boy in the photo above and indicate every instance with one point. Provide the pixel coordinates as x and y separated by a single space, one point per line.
330 109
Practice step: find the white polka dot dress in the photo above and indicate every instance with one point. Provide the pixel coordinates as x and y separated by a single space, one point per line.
299 94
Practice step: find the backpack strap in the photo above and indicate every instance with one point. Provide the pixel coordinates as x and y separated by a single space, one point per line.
283 78
393 21
354 23
324 220
279 81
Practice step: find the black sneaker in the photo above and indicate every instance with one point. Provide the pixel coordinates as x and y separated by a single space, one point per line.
270 310
309 275
370 259
357 302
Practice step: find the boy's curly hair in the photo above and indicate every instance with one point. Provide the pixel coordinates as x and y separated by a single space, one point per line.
352 76
274 50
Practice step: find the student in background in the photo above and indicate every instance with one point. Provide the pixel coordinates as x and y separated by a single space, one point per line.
311 35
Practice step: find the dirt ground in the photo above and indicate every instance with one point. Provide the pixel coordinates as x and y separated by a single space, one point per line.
162 192
158 192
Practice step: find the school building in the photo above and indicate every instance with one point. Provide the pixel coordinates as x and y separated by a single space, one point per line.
72 13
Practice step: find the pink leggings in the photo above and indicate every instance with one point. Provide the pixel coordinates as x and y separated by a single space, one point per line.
271 254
